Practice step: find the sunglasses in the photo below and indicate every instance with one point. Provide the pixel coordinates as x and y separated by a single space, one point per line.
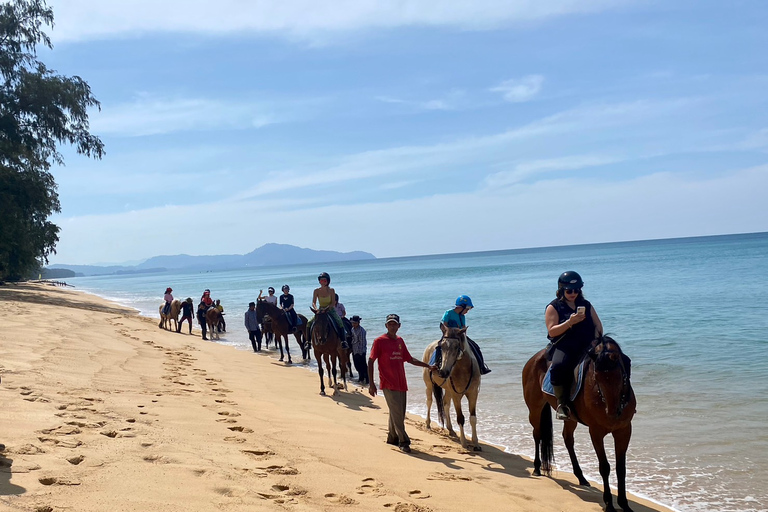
574 292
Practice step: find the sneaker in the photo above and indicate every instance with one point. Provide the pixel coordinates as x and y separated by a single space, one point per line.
405 448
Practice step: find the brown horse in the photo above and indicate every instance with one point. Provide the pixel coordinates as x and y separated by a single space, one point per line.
212 319
280 326
327 347
606 404
459 376
173 314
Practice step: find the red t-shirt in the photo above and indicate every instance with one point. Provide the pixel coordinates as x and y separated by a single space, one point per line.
392 355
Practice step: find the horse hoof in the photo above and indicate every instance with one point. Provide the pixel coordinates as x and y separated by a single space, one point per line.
477 449
281 359
536 472
322 393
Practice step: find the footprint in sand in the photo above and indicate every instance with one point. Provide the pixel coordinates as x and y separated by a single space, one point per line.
416 493
235 439
244 430
372 487
281 470
259 454
226 420
407 507
51 480
67 443
228 402
449 477
340 499
76 459
229 413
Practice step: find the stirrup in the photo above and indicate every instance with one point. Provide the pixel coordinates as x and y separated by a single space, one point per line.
563 412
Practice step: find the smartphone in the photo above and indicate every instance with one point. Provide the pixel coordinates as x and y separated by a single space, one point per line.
581 310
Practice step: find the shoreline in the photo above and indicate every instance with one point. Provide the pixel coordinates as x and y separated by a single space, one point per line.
102 333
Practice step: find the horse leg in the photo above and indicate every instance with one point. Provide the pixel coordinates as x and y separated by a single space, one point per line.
429 403
320 372
344 376
287 350
327 360
597 436
447 412
279 340
472 399
621 443
568 428
459 419
335 383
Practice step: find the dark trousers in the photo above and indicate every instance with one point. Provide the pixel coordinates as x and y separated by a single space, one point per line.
396 402
202 326
188 319
222 324
293 319
563 363
361 365
255 337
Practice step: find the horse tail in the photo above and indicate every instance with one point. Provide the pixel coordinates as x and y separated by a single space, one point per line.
438 392
546 435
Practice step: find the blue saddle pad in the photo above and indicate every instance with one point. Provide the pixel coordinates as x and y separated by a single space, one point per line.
578 379
298 320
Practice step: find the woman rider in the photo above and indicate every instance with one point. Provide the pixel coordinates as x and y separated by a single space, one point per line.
455 318
324 297
572 325
286 303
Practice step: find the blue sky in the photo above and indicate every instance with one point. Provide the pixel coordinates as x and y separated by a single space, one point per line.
411 127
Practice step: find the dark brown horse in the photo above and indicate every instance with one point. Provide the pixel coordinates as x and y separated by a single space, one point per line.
606 404
278 322
327 347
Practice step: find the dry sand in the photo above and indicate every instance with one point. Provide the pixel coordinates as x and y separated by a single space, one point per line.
102 411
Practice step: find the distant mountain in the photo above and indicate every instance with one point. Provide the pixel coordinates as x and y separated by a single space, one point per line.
266 255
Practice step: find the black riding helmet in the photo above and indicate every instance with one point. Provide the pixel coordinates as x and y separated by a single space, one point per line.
570 279
286 288
324 275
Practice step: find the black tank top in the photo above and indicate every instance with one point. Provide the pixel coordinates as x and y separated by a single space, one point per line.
577 338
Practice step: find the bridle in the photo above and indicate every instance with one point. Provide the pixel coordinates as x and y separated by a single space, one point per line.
450 378
625 386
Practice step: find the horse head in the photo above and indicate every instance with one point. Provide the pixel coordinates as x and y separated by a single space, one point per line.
452 346
612 372
321 327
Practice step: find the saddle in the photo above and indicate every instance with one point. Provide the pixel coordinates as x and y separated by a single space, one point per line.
578 380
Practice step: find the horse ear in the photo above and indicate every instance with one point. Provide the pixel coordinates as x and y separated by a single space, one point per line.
463 330
443 327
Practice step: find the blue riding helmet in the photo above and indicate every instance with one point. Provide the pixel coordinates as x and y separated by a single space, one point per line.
464 300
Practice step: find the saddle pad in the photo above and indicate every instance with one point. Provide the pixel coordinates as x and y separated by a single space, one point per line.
437 357
578 379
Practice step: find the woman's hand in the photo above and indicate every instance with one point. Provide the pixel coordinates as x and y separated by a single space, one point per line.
577 318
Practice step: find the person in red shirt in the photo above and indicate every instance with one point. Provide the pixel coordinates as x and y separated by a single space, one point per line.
390 350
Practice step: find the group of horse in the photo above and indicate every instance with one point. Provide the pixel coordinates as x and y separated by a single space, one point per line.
213 318
606 403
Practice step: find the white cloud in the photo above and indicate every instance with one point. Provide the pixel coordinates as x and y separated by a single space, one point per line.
660 205
78 20
525 170
148 115
519 90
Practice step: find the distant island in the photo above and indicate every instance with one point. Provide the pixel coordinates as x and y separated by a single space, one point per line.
266 255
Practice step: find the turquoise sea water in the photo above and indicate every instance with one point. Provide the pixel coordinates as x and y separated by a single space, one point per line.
690 312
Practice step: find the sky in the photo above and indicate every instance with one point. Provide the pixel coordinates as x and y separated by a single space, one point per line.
411 127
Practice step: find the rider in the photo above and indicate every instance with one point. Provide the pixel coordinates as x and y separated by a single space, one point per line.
168 298
572 324
455 318
271 298
324 297
286 302
222 324
206 298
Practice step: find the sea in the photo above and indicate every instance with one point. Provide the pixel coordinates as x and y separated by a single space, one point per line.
690 312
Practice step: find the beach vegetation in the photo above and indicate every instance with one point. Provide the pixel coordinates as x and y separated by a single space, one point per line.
40 110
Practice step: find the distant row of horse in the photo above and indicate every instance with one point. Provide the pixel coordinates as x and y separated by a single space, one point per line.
606 403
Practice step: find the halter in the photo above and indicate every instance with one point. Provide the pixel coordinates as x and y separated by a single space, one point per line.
450 379
624 394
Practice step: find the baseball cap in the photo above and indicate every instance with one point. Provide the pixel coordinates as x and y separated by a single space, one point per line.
392 318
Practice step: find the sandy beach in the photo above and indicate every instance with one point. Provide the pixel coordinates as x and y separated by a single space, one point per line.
104 411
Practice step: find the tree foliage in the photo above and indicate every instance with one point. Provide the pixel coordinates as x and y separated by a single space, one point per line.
39 111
